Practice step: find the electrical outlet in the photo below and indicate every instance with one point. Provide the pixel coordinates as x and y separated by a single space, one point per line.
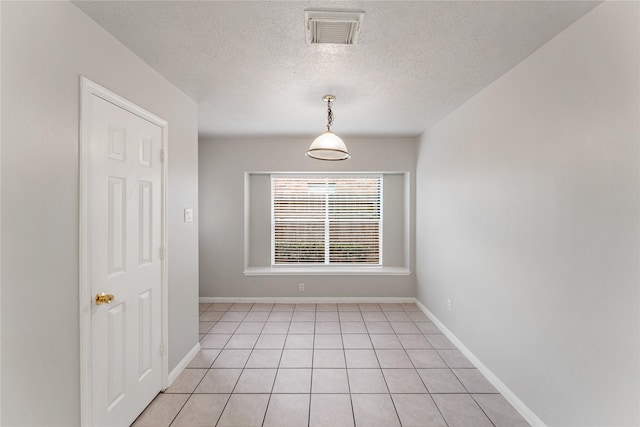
188 215
448 304
301 287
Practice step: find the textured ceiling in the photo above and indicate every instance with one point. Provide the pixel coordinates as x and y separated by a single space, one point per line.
251 72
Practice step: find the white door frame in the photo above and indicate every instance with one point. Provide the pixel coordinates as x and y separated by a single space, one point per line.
88 89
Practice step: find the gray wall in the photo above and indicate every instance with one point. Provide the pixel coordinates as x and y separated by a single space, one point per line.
46 46
527 206
222 166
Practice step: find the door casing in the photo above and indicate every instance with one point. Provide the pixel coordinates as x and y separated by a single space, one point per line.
88 89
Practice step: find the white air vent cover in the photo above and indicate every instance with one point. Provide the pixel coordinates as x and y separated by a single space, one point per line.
335 26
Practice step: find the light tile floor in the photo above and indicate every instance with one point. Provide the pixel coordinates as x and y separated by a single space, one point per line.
326 365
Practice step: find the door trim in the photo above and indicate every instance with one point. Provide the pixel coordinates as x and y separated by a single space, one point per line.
88 89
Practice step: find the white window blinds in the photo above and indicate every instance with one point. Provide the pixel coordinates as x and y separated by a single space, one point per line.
326 219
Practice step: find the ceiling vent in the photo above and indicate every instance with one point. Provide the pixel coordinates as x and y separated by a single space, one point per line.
333 26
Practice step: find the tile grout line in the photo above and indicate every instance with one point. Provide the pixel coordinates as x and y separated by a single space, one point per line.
236 383
353 412
264 417
395 333
346 370
190 394
199 382
419 376
313 353
194 389
382 372
482 409
241 370
173 420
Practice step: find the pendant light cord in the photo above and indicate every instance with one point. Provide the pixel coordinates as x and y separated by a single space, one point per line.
329 116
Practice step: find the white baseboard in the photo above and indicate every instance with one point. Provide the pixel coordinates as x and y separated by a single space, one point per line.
511 397
312 300
183 364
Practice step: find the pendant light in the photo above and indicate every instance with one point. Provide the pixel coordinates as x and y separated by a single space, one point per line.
328 146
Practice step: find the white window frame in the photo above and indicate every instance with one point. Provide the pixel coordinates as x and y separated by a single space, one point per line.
327 264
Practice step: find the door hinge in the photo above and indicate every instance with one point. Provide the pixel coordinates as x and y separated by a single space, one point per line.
163 349
161 252
162 156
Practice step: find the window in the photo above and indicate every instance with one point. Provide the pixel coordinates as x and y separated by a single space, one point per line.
326 220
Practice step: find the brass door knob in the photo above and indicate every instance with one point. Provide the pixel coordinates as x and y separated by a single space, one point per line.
103 298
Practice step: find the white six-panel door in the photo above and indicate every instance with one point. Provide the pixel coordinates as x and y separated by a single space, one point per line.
124 192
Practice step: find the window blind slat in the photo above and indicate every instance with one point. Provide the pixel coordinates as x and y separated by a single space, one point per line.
341 213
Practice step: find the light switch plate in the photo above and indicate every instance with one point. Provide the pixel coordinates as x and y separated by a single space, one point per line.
188 215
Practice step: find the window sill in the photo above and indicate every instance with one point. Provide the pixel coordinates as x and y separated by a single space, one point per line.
328 271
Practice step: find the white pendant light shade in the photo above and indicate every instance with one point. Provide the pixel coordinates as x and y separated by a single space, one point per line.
328 146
